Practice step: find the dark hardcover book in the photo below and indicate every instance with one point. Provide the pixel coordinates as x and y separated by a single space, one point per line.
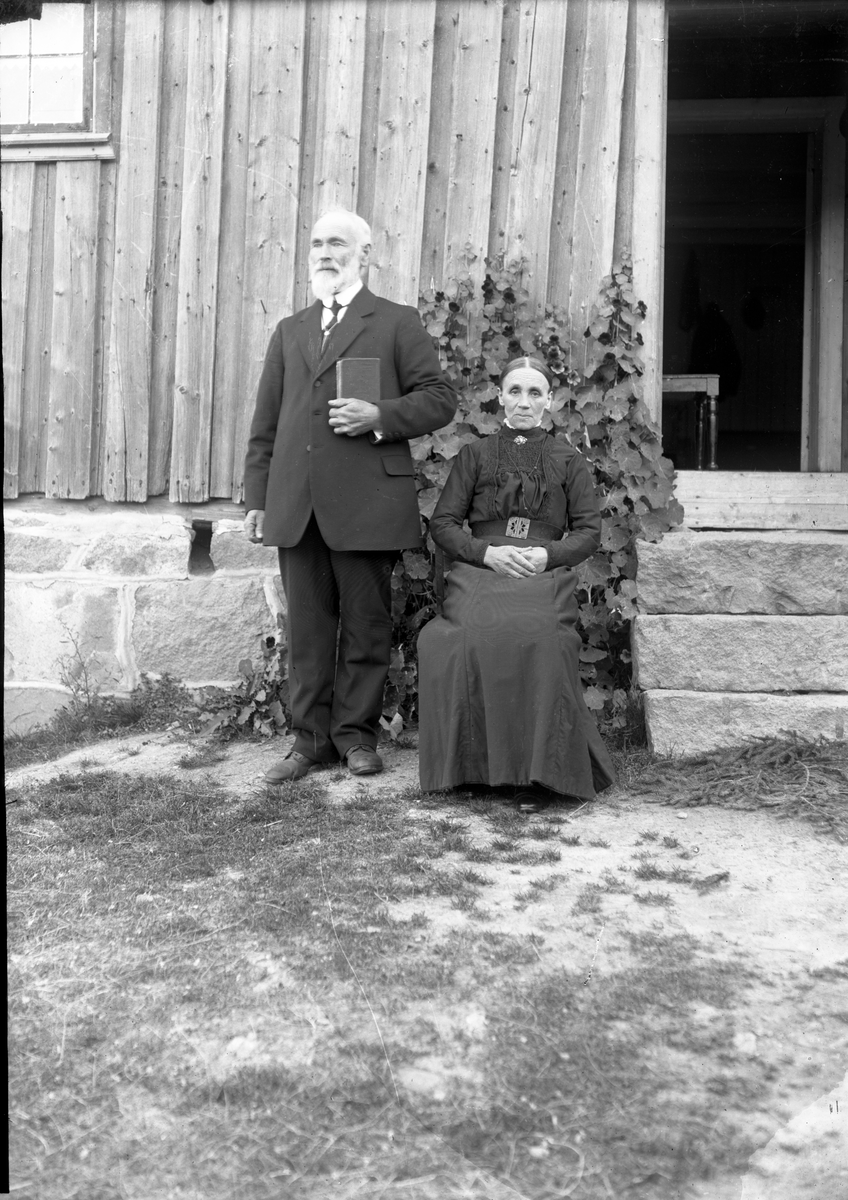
358 379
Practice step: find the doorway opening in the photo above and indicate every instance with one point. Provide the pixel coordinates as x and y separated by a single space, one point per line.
754 229
734 292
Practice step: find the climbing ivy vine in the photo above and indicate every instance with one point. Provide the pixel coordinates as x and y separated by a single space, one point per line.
597 406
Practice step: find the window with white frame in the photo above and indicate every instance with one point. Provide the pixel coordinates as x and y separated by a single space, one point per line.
46 69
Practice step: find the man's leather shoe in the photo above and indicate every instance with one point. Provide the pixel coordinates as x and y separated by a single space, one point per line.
362 760
287 770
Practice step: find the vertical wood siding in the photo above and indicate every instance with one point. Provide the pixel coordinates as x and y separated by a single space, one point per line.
18 187
72 333
277 60
394 156
36 333
474 61
586 179
167 225
646 113
530 98
200 246
460 129
231 251
128 379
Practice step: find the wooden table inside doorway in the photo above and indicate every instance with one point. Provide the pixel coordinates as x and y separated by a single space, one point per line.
704 388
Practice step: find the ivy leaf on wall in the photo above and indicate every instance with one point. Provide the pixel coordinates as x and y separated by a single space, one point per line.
598 407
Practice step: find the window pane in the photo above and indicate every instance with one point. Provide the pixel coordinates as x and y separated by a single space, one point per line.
14 39
60 30
13 91
56 90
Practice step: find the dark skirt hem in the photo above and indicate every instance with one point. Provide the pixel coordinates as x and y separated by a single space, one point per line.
516 783
501 702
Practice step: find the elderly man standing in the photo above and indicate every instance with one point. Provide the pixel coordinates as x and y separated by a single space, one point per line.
329 480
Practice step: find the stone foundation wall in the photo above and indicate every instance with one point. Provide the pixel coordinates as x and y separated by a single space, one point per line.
124 591
743 634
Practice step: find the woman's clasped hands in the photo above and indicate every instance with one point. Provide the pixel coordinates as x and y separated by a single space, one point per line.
516 562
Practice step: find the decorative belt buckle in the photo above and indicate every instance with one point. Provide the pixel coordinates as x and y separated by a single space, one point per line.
517 527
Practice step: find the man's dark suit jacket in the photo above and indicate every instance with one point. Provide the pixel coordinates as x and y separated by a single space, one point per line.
363 494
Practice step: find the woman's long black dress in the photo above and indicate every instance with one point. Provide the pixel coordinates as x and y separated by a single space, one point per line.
500 700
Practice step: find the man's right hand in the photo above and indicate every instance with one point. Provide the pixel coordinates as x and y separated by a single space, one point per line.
254 523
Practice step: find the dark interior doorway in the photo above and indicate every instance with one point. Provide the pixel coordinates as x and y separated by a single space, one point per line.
737 210
734 292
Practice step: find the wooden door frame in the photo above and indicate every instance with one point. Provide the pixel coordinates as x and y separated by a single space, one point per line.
822 387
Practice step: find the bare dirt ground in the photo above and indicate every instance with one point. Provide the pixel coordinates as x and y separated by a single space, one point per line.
774 891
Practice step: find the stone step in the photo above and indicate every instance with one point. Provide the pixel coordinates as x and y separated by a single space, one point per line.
724 653
687 722
765 571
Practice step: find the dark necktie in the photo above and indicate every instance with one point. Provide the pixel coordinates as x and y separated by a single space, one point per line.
335 309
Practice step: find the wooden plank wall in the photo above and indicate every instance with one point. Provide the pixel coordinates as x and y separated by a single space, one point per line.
272 175
459 128
166 256
18 186
200 251
72 335
128 381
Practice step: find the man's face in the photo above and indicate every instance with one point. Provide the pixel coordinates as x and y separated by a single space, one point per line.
335 259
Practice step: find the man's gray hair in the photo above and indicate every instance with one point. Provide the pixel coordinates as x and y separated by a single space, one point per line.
359 225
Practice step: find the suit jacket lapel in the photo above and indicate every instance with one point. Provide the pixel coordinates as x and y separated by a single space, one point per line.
309 335
347 330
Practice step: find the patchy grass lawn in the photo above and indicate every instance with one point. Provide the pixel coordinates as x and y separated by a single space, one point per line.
279 994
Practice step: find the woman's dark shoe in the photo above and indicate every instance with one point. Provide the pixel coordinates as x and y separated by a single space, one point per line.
531 802
294 766
362 760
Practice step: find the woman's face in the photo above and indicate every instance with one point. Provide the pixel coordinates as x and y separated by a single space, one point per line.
525 395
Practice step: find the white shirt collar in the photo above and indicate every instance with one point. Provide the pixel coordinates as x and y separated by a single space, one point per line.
344 298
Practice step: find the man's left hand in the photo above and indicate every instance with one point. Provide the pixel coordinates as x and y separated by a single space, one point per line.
353 417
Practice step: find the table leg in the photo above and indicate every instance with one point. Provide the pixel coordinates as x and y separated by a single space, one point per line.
712 431
699 433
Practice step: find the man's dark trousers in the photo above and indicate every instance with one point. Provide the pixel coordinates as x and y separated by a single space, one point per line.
336 700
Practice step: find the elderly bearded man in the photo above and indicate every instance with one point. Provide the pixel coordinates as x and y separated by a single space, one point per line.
329 480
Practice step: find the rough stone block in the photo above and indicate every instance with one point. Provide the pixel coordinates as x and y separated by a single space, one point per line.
27 708
231 551
683 722
140 552
763 571
200 629
43 622
19 516
741 653
36 553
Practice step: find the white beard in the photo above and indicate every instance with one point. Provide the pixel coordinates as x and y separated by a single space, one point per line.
325 284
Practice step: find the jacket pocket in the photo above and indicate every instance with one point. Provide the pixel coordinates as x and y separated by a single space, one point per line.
398 464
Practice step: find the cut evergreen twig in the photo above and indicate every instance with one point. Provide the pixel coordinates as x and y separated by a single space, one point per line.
794 777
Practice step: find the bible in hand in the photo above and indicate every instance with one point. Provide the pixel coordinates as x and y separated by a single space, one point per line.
358 379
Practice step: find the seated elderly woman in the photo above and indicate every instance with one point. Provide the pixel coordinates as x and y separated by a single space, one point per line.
500 700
